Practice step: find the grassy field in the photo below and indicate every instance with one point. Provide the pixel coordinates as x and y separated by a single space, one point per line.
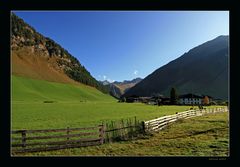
31 90
62 114
200 136
79 105
73 106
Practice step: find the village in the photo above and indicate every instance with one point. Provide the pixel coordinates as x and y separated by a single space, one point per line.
184 99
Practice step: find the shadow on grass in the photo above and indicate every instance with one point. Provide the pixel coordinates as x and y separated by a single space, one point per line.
194 133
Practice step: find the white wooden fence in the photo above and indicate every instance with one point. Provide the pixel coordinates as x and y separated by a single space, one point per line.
160 123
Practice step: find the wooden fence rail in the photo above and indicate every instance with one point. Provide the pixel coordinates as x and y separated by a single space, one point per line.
23 141
160 123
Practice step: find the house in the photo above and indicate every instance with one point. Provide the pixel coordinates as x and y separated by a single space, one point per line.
152 100
206 100
158 100
132 99
165 100
144 99
193 99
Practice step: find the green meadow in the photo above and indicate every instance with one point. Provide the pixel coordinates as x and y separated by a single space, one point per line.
38 104
32 90
62 114
72 105
200 136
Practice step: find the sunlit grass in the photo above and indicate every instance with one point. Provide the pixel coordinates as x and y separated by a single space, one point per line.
199 136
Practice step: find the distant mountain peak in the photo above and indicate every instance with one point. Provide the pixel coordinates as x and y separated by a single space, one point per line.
135 80
116 88
105 82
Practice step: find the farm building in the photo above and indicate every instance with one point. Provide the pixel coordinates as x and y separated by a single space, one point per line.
132 99
192 99
151 100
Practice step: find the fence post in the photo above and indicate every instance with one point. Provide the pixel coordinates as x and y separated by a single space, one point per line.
67 134
131 128
107 139
113 132
124 130
143 127
186 116
24 140
167 121
101 135
135 124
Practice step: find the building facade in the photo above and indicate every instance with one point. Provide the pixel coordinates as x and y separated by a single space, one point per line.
192 99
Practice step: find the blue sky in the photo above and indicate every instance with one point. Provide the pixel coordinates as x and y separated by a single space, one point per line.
123 45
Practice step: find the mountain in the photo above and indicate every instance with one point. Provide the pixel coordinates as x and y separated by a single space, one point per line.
136 80
105 82
126 85
117 89
38 57
202 70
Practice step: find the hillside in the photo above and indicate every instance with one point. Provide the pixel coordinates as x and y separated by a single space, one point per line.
25 64
202 70
38 57
29 90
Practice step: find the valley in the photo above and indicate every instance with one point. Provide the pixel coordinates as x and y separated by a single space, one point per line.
71 105
52 89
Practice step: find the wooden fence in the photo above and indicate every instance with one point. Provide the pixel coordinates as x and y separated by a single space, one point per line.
162 122
41 140
124 129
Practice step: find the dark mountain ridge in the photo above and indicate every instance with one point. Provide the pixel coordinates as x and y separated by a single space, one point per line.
202 70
